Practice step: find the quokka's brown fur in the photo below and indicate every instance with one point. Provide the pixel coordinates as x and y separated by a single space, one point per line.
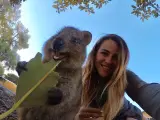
73 46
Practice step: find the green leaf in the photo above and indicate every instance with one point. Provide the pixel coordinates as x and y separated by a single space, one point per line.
30 91
155 13
138 2
55 6
60 1
133 6
36 71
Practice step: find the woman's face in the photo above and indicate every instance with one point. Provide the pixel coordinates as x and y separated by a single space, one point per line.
106 58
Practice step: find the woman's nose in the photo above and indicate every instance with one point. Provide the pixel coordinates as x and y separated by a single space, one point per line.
108 59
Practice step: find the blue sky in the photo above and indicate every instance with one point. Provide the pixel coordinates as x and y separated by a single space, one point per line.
142 37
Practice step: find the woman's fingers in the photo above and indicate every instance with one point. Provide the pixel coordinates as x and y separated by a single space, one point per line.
89 115
91 110
83 117
131 118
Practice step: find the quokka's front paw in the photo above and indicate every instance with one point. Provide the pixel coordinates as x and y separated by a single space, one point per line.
55 96
21 66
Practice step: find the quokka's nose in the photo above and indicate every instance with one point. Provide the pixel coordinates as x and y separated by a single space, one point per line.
58 44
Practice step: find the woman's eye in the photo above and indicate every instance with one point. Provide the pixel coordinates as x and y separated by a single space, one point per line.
104 53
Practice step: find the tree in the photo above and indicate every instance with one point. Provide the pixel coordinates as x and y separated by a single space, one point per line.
13 34
15 2
142 8
146 8
12 77
1 70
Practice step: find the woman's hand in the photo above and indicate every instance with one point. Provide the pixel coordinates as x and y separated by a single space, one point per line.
131 118
88 114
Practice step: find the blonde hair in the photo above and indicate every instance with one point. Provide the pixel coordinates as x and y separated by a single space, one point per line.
117 83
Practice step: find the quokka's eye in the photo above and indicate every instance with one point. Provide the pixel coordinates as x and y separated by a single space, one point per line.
76 40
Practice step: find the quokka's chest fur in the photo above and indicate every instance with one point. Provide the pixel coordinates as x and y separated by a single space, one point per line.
69 106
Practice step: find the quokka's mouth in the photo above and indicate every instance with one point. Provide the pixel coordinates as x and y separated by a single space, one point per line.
59 56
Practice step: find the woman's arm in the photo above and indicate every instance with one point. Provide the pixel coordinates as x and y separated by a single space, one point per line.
129 111
145 94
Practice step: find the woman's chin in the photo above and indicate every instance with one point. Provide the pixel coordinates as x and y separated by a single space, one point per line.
104 75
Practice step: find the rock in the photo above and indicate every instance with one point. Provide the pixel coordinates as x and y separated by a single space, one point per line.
6 102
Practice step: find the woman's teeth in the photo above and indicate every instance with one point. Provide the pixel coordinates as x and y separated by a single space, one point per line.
105 67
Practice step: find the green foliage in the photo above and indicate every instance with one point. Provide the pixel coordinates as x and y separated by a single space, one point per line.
1 70
145 9
34 84
12 77
7 55
13 35
16 2
85 5
142 8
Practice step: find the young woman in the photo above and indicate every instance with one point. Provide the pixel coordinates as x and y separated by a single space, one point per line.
104 82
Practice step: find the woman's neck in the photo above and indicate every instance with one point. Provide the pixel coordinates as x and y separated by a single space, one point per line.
99 79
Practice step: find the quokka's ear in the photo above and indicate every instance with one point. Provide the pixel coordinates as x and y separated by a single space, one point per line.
87 37
46 51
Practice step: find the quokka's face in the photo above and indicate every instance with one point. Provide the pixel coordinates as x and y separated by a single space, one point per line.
69 45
